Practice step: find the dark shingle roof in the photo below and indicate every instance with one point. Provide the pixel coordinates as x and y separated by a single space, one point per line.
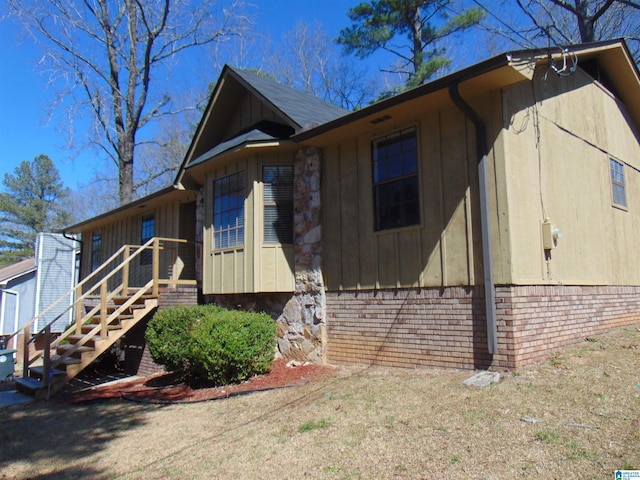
248 137
302 108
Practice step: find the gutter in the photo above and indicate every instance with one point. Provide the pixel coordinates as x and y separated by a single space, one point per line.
483 180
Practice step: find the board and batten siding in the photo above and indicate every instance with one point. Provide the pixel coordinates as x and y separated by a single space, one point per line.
443 250
565 177
126 230
254 266
250 111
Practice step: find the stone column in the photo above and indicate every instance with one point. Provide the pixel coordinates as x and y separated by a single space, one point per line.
302 325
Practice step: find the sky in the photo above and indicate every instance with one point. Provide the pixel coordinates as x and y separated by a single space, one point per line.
25 129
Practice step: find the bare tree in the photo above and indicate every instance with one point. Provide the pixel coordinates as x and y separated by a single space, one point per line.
534 23
309 61
118 54
159 160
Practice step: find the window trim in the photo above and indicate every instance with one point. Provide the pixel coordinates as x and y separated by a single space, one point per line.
616 183
417 175
239 245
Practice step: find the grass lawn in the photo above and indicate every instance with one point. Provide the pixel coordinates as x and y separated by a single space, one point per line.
575 416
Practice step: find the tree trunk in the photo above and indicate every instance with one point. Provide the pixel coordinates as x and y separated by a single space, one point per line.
125 169
416 32
585 21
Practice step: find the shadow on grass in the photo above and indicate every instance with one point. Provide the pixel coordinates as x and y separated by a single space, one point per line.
85 473
61 439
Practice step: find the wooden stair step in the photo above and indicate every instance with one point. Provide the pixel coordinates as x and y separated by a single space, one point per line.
35 387
73 339
129 309
39 371
96 321
90 326
141 300
78 350
28 384
66 361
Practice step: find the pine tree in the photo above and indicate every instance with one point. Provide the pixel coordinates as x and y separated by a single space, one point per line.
383 24
31 203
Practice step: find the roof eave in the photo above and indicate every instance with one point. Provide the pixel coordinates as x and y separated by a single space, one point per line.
76 228
521 65
198 171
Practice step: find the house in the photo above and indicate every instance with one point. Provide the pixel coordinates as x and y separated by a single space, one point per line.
29 287
481 220
17 292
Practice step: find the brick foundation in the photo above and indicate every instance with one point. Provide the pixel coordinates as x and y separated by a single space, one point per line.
537 320
446 327
137 359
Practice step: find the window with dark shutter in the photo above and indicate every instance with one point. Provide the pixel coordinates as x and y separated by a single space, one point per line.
278 204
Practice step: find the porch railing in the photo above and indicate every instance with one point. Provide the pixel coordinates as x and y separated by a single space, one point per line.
132 272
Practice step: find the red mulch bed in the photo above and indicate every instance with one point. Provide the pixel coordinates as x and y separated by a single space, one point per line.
164 388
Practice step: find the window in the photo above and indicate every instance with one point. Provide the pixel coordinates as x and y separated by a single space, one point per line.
617 183
395 180
228 211
278 204
147 232
96 251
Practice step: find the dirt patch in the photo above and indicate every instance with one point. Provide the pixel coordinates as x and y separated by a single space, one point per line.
165 388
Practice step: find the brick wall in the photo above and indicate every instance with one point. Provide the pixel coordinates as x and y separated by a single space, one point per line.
171 297
408 328
540 319
137 359
447 328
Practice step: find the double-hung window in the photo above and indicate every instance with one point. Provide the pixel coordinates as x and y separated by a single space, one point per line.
96 250
396 195
278 204
228 211
618 189
147 232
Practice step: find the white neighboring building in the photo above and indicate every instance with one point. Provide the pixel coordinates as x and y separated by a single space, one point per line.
29 287
17 295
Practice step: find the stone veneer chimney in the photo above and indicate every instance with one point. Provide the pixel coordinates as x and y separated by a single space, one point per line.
302 325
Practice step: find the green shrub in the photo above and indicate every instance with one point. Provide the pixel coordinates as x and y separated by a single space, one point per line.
210 344
168 333
232 346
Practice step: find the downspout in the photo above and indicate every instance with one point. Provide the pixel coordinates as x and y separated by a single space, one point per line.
65 235
485 215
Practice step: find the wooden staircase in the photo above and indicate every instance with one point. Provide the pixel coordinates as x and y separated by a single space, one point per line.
71 358
118 307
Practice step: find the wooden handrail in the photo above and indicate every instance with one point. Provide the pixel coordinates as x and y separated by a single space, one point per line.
69 331
69 293
104 322
106 297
